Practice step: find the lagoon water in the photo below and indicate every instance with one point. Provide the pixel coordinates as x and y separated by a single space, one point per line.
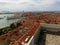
4 22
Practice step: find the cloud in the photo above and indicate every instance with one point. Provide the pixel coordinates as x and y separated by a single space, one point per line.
29 5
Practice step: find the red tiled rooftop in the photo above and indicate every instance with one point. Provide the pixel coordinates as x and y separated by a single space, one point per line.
31 21
30 32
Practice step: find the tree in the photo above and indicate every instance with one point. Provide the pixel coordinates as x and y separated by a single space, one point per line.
12 26
1 32
19 24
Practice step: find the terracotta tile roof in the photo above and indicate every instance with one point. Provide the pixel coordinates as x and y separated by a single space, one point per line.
32 21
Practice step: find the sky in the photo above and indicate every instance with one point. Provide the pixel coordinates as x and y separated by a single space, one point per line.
29 5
